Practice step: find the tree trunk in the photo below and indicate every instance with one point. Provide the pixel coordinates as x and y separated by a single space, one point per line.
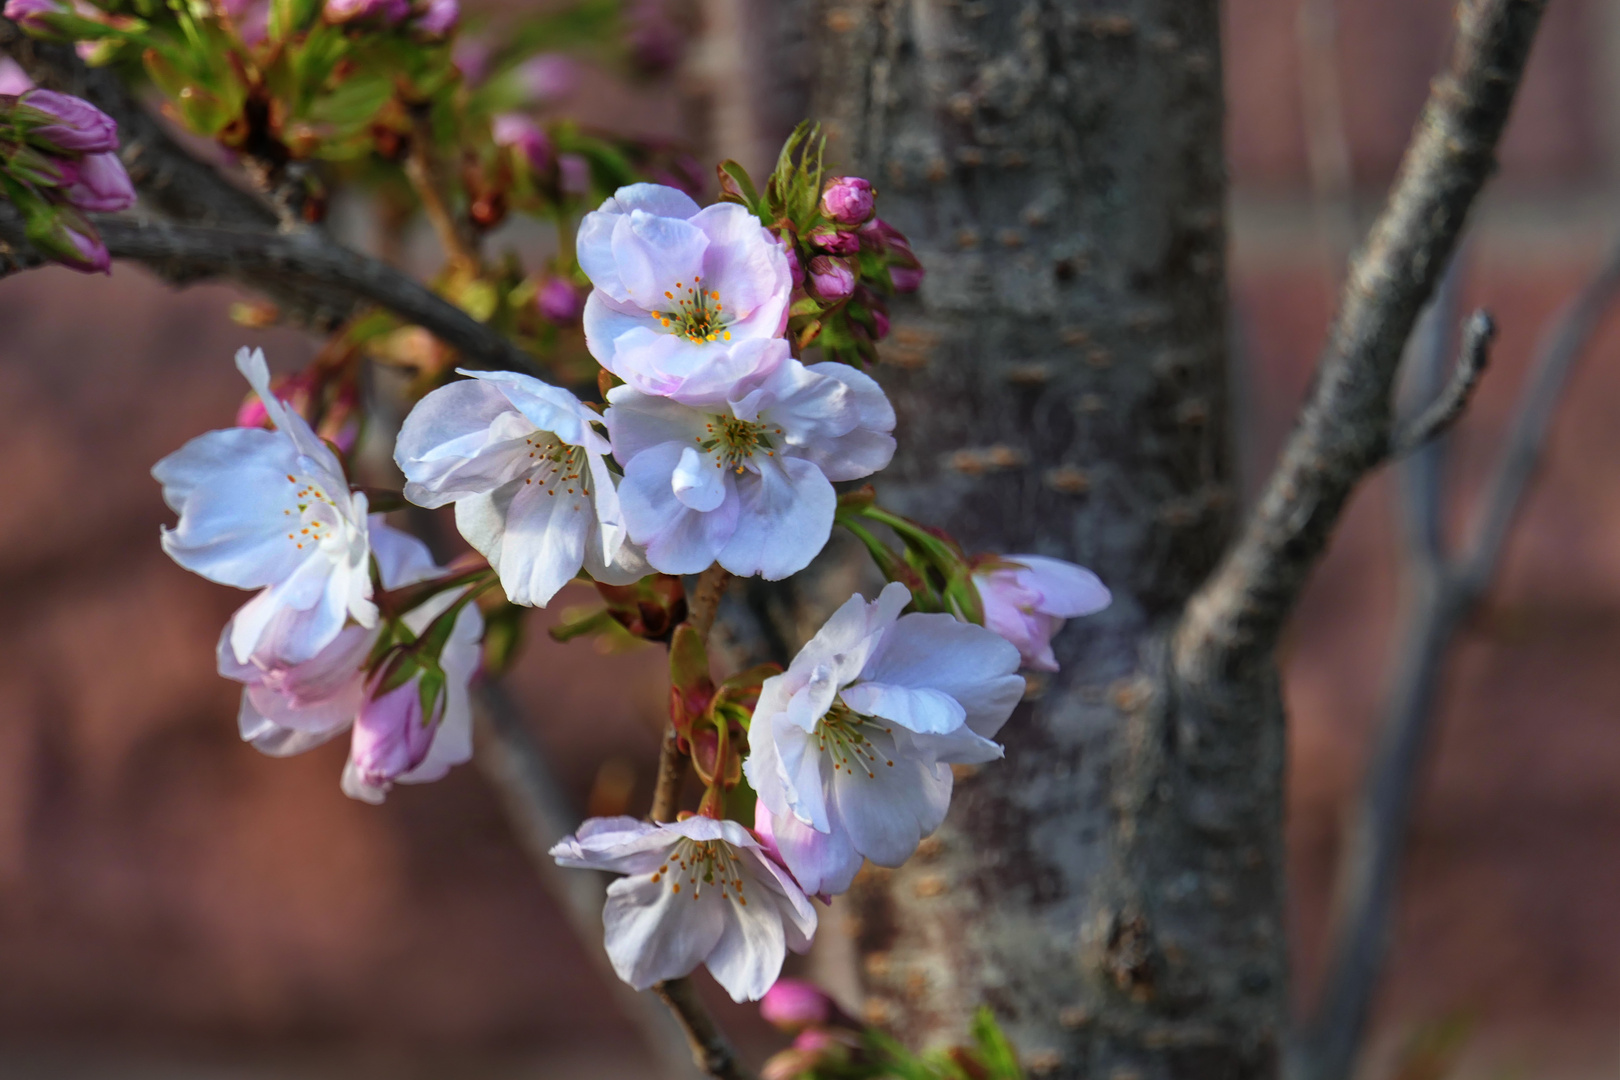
1113 889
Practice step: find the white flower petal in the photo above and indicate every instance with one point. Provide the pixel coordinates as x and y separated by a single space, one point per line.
653 933
677 539
1066 590
697 481
637 422
823 863
888 814
657 257
784 518
748 957
917 709
972 664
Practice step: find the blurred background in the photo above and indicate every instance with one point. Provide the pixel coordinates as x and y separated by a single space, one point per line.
172 904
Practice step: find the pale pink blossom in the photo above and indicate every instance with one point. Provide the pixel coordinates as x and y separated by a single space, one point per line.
289 708
272 510
680 292
523 463
747 482
1026 599
851 746
698 891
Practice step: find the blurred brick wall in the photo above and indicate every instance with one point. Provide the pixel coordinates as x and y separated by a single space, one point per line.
166 893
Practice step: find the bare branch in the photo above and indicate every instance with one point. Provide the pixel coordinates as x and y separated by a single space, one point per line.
1345 426
1478 333
710 1048
541 815
1442 594
294 262
1528 436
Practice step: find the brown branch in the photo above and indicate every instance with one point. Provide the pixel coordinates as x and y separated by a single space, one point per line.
1442 593
1448 406
541 815
300 262
1344 429
710 1048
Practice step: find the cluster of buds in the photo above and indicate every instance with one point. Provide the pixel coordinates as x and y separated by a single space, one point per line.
846 261
59 162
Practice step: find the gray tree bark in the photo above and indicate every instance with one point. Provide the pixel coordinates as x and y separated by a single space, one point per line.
1113 889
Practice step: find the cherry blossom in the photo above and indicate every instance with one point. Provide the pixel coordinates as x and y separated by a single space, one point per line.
1027 598
522 461
747 482
852 744
680 291
698 891
272 510
289 708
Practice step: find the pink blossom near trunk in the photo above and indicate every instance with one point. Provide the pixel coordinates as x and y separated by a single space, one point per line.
1027 598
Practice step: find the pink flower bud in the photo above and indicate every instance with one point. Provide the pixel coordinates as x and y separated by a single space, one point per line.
471 55
832 278
97 183
559 302
392 734
655 44
91 254
13 79
80 127
907 279
523 135
29 14
794 1004
848 200
1027 598
437 18
836 241
880 323
387 12
547 77
573 175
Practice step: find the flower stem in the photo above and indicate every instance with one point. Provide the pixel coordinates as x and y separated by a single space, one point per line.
422 169
702 606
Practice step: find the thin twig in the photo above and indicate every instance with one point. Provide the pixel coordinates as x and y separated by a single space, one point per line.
1344 429
422 169
184 254
1478 334
541 815
711 1050
1442 594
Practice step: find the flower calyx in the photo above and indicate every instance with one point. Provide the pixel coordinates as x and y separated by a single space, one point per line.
930 562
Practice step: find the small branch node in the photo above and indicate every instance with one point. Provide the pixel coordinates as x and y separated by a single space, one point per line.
1478 333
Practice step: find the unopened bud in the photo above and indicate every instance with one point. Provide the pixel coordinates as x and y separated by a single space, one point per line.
76 125
834 240
523 135
13 79
395 728
794 1004
847 200
97 183
832 278
33 15
795 267
437 18
88 253
559 301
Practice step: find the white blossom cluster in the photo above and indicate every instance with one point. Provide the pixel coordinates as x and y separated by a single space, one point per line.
717 446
